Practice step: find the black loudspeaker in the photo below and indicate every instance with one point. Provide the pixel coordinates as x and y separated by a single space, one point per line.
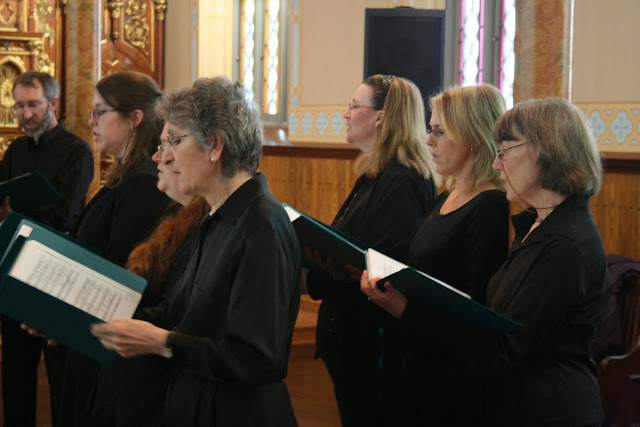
408 43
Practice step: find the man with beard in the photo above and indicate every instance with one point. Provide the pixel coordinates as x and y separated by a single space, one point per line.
67 162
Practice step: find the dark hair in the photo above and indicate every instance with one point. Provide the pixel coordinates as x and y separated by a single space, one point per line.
126 92
50 86
380 83
217 107
568 156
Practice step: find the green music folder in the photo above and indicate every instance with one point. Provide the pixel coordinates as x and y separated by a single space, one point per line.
60 288
29 191
435 294
341 248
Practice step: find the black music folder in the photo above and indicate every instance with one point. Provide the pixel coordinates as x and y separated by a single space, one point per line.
29 191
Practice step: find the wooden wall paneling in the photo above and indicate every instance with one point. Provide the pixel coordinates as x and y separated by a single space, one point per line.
318 180
316 186
616 211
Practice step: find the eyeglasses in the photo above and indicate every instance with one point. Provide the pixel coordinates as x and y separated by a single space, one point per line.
172 141
351 106
32 105
503 151
436 132
96 114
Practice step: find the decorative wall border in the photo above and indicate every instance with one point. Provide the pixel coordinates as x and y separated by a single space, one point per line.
615 126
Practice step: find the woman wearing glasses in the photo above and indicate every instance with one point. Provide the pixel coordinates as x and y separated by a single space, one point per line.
125 210
396 186
227 324
462 242
552 283
132 391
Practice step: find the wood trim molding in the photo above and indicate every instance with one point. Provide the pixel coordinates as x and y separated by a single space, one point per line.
276 143
620 162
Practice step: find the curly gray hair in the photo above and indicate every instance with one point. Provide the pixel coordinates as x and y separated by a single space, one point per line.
218 108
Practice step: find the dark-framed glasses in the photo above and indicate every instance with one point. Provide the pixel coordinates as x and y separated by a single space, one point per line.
351 106
96 114
503 151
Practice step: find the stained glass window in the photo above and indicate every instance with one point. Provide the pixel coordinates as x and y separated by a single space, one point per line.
272 28
507 54
487 32
472 38
248 42
261 49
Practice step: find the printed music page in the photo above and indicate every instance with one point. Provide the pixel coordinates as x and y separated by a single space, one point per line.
74 283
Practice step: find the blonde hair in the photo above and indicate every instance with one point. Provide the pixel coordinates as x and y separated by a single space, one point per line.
468 115
568 156
402 133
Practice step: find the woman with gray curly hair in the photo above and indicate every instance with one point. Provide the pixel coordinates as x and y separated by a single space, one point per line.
227 325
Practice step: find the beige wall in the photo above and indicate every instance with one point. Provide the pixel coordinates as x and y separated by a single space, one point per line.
332 47
198 48
606 57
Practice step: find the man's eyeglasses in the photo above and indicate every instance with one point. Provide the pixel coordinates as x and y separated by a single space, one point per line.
351 106
503 151
436 132
96 114
172 141
32 105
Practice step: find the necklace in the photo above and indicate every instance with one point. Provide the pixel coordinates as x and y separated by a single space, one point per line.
539 219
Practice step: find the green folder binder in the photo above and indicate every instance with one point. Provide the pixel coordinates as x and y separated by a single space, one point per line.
50 314
29 191
435 294
340 247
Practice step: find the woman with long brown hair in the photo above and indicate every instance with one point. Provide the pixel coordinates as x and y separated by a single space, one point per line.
125 210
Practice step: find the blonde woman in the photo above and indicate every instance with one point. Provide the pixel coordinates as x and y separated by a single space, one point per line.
392 196
462 242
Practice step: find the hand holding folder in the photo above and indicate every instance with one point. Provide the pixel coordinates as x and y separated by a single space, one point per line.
324 241
436 295
60 288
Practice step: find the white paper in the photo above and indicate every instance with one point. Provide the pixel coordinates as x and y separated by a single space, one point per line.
49 271
293 214
380 265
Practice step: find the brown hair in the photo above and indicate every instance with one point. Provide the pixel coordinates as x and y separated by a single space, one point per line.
403 131
153 258
125 92
568 156
468 115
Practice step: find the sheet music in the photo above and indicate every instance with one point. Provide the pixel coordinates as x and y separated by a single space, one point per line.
49 271
380 265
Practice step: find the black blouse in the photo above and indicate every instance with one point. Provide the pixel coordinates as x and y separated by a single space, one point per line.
553 283
464 248
233 312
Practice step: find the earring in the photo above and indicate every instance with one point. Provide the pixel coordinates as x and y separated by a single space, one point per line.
213 158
